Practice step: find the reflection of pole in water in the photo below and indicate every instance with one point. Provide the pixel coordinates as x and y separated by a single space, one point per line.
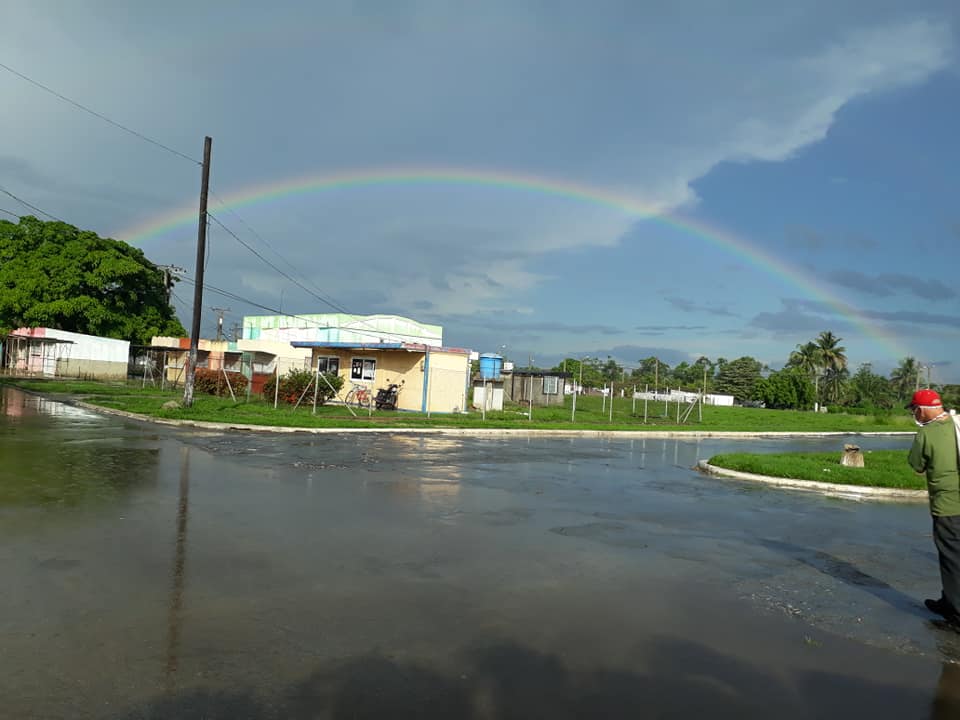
176 581
946 704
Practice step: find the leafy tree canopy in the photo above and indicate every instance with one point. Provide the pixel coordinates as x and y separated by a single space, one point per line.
739 377
867 389
55 275
788 389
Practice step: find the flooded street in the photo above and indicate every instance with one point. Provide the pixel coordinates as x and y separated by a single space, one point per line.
158 573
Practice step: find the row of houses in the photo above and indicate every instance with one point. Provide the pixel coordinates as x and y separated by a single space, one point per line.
370 352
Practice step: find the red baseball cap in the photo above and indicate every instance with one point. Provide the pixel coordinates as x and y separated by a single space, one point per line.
925 399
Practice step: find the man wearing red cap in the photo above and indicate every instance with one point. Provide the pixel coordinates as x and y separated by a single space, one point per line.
934 454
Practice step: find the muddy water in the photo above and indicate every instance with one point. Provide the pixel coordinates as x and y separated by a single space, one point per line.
150 573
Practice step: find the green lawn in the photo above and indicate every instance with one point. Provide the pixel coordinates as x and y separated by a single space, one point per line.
591 414
882 468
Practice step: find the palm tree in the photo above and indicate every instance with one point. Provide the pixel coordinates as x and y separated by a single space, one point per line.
832 356
835 384
905 376
807 359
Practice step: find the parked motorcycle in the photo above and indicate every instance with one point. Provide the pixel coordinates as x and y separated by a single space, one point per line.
387 397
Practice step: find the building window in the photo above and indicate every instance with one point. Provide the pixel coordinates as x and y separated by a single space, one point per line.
362 369
328 364
264 363
551 384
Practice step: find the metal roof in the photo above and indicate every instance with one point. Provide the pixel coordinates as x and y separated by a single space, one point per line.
409 347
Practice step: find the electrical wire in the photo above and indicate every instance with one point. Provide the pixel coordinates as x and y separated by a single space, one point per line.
11 214
319 296
319 326
32 207
283 273
328 299
101 116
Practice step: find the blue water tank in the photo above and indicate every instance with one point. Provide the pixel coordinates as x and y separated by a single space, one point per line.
490 366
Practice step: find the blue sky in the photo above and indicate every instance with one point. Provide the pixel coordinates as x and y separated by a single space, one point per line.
822 136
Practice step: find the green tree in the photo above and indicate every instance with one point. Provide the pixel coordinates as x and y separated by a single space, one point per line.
54 275
739 378
611 370
703 368
788 389
950 395
832 354
806 358
653 372
591 377
867 389
834 385
905 377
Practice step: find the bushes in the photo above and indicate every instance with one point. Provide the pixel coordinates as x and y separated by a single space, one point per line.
211 382
293 384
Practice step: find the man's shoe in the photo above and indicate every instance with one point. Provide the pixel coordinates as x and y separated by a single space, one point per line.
939 607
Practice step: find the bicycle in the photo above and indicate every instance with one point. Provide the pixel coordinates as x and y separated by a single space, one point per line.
359 395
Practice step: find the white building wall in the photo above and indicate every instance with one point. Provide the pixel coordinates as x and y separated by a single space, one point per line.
90 347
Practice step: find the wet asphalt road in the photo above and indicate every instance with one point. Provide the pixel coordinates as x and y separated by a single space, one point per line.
155 573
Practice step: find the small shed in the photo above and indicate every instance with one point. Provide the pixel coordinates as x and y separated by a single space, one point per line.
488 394
60 353
543 387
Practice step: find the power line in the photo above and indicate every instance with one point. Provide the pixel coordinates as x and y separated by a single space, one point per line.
11 214
319 326
100 115
318 295
32 207
284 274
266 244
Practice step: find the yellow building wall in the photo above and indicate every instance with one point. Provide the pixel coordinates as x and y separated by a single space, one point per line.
448 376
447 390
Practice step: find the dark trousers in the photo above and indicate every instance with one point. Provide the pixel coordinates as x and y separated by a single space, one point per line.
946 536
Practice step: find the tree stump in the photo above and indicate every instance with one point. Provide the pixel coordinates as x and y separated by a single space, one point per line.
852 457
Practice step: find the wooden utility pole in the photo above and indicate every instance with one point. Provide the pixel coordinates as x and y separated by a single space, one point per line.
198 275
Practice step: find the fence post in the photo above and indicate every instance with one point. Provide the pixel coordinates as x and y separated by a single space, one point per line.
276 385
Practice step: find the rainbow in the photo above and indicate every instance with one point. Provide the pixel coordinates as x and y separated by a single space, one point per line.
186 216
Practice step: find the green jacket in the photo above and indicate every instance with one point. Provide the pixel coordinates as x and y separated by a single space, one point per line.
934 453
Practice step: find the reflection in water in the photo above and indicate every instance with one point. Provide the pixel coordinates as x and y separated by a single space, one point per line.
18 404
56 455
174 619
946 705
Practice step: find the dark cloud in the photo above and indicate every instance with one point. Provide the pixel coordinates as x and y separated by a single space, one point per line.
913 318
43 187
631 355
886 284
854 280
664 328
788 321
805 238
496 321
686 305
798 315
859 241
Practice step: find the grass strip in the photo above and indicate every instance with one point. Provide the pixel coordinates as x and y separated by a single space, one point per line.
592 413
882 468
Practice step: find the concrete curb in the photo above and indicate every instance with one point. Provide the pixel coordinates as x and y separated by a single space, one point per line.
854 492
657 434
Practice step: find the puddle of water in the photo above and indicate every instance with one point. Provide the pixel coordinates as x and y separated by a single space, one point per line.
176 574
